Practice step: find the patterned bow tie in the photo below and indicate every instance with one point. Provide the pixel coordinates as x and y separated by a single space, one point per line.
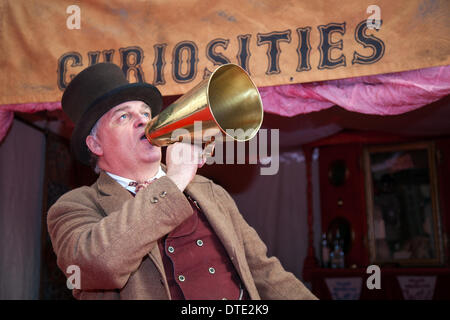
139 185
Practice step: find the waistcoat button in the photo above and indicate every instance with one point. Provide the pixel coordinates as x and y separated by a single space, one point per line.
154 200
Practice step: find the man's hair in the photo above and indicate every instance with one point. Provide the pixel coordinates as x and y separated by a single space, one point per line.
93 161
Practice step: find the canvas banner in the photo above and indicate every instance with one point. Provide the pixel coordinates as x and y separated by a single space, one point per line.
176 44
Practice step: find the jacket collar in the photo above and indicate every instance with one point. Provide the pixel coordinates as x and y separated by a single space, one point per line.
112 195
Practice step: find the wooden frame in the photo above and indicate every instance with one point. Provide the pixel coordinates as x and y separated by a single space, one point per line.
403 216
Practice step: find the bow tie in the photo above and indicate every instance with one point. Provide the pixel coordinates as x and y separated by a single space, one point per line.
139 185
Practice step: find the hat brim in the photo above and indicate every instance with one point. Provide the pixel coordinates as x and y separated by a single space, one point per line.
131 92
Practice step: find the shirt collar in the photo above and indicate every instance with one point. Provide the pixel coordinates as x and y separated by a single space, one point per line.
124 182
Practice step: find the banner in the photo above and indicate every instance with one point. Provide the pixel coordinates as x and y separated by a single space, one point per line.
175 44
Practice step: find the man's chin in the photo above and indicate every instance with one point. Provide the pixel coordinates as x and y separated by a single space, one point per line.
149 157
149 160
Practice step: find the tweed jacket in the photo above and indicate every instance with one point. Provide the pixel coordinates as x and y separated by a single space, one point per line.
112 237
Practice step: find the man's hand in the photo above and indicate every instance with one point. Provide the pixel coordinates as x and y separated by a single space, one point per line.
183 160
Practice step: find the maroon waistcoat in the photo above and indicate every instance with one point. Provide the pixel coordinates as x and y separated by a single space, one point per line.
196 263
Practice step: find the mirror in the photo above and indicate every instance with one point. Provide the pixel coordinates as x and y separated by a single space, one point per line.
402 204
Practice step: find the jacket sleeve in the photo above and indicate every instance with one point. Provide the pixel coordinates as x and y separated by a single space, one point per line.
107 249
272 281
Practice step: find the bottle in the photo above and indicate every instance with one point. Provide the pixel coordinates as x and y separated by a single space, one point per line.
341 258
338 239
335 255
337 258
325 252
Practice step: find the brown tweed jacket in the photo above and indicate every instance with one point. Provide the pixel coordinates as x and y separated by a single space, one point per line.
112 237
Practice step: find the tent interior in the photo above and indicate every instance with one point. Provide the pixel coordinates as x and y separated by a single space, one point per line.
276 205
346 181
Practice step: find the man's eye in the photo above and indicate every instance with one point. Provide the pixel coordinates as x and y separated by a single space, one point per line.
146 114
123 117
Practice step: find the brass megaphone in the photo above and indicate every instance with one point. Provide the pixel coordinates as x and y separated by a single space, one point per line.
228 102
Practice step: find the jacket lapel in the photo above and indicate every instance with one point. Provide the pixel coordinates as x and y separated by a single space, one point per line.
111 195
200 189
111 198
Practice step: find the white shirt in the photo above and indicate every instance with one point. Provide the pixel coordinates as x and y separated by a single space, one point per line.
124 182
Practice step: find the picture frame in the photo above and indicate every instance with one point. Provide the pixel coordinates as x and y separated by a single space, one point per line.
403 215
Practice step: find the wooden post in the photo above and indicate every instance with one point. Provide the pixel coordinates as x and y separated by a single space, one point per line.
310 260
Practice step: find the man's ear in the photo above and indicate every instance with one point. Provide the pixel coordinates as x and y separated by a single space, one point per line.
94 145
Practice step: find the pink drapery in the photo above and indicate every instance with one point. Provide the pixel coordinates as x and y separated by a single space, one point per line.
7 113
385 94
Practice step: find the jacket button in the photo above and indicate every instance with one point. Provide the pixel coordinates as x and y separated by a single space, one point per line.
212 270
163 194
199 243
171 249
154 200
181 278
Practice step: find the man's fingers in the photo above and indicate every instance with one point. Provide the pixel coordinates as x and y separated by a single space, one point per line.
209 149
185 153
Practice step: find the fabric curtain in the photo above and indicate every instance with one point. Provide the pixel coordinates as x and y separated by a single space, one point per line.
383 94
275 206
22 167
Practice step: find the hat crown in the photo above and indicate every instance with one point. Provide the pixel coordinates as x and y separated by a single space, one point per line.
88 86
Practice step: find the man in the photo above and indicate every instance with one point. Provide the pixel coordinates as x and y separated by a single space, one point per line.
144 231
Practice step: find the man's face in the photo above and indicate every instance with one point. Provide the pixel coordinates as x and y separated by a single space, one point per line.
120 135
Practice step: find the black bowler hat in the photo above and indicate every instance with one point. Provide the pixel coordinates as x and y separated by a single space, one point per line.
96 90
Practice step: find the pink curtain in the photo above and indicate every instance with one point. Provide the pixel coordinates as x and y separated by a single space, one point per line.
385 94
7 113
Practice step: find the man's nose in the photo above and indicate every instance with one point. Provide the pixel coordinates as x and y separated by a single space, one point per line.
141 121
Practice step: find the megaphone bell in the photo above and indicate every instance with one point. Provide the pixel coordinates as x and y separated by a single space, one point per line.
227 102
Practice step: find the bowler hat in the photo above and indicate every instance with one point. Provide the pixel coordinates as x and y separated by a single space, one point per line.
96 90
